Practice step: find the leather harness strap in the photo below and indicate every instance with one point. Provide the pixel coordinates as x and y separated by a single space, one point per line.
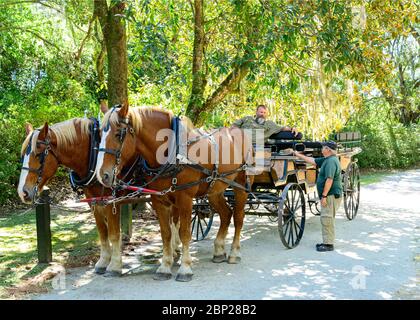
76 182
177 162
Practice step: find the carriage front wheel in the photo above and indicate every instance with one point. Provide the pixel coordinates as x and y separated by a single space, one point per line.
351 190
202 219
291 214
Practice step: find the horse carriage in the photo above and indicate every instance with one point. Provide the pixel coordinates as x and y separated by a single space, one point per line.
180 188
286 188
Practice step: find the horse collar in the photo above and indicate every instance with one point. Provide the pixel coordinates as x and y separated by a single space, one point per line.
77 182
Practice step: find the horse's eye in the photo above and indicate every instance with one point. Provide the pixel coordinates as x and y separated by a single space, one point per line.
37 155
39 148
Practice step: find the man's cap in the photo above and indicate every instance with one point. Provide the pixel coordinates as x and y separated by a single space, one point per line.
330 144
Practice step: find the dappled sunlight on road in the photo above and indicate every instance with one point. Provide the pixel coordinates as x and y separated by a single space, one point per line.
375 258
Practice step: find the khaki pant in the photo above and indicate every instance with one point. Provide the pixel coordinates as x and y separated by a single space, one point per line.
328 218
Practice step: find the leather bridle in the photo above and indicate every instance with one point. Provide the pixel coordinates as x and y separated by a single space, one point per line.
121 133
42 159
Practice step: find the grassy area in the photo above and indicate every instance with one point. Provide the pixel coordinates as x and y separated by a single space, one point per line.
74 241
369 177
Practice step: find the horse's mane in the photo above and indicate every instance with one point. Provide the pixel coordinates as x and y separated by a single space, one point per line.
65 133
137 114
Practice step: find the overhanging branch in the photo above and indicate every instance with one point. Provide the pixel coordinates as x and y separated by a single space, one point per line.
10 3
34 33
79 52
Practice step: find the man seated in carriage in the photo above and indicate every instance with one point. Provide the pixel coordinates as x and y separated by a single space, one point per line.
271 129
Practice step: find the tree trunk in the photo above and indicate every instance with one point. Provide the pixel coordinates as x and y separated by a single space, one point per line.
198 104
198 74
100 64
227 86
113 29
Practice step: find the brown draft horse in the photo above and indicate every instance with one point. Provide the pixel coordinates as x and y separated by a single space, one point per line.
127 132
68 144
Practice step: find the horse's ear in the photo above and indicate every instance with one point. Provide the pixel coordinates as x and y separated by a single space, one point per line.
43 132
123 110
28 128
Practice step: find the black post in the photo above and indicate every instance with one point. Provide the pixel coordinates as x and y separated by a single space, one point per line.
126 221
43 230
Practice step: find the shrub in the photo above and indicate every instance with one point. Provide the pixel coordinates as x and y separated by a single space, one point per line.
386 143
50 101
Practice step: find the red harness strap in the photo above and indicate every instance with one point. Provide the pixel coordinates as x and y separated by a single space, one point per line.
143 190
106 198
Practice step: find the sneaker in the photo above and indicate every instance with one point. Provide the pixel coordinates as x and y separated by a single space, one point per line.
324 247
320 244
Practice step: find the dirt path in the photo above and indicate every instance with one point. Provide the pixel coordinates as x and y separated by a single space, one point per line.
377 257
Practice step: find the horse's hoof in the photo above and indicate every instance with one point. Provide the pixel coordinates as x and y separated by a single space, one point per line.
219 259
112 274
184 277
234 260
162 276
100 270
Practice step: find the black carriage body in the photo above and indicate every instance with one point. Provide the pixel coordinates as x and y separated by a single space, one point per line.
285 186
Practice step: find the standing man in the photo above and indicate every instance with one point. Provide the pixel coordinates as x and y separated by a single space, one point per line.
330 190
259 121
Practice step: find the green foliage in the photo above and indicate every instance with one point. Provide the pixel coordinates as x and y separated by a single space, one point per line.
386 142
10 139
309 61
40 81
52 99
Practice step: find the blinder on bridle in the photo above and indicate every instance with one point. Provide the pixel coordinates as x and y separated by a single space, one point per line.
121 134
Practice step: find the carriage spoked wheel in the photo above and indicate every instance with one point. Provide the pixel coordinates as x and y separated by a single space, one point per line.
291 215
202 219
351 190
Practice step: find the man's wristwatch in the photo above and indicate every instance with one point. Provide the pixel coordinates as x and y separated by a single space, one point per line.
324 196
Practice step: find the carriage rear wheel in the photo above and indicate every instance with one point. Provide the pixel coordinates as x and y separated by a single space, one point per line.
351 190
291 215
202 219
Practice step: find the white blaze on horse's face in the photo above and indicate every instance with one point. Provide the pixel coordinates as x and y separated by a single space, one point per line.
101 155
22 179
